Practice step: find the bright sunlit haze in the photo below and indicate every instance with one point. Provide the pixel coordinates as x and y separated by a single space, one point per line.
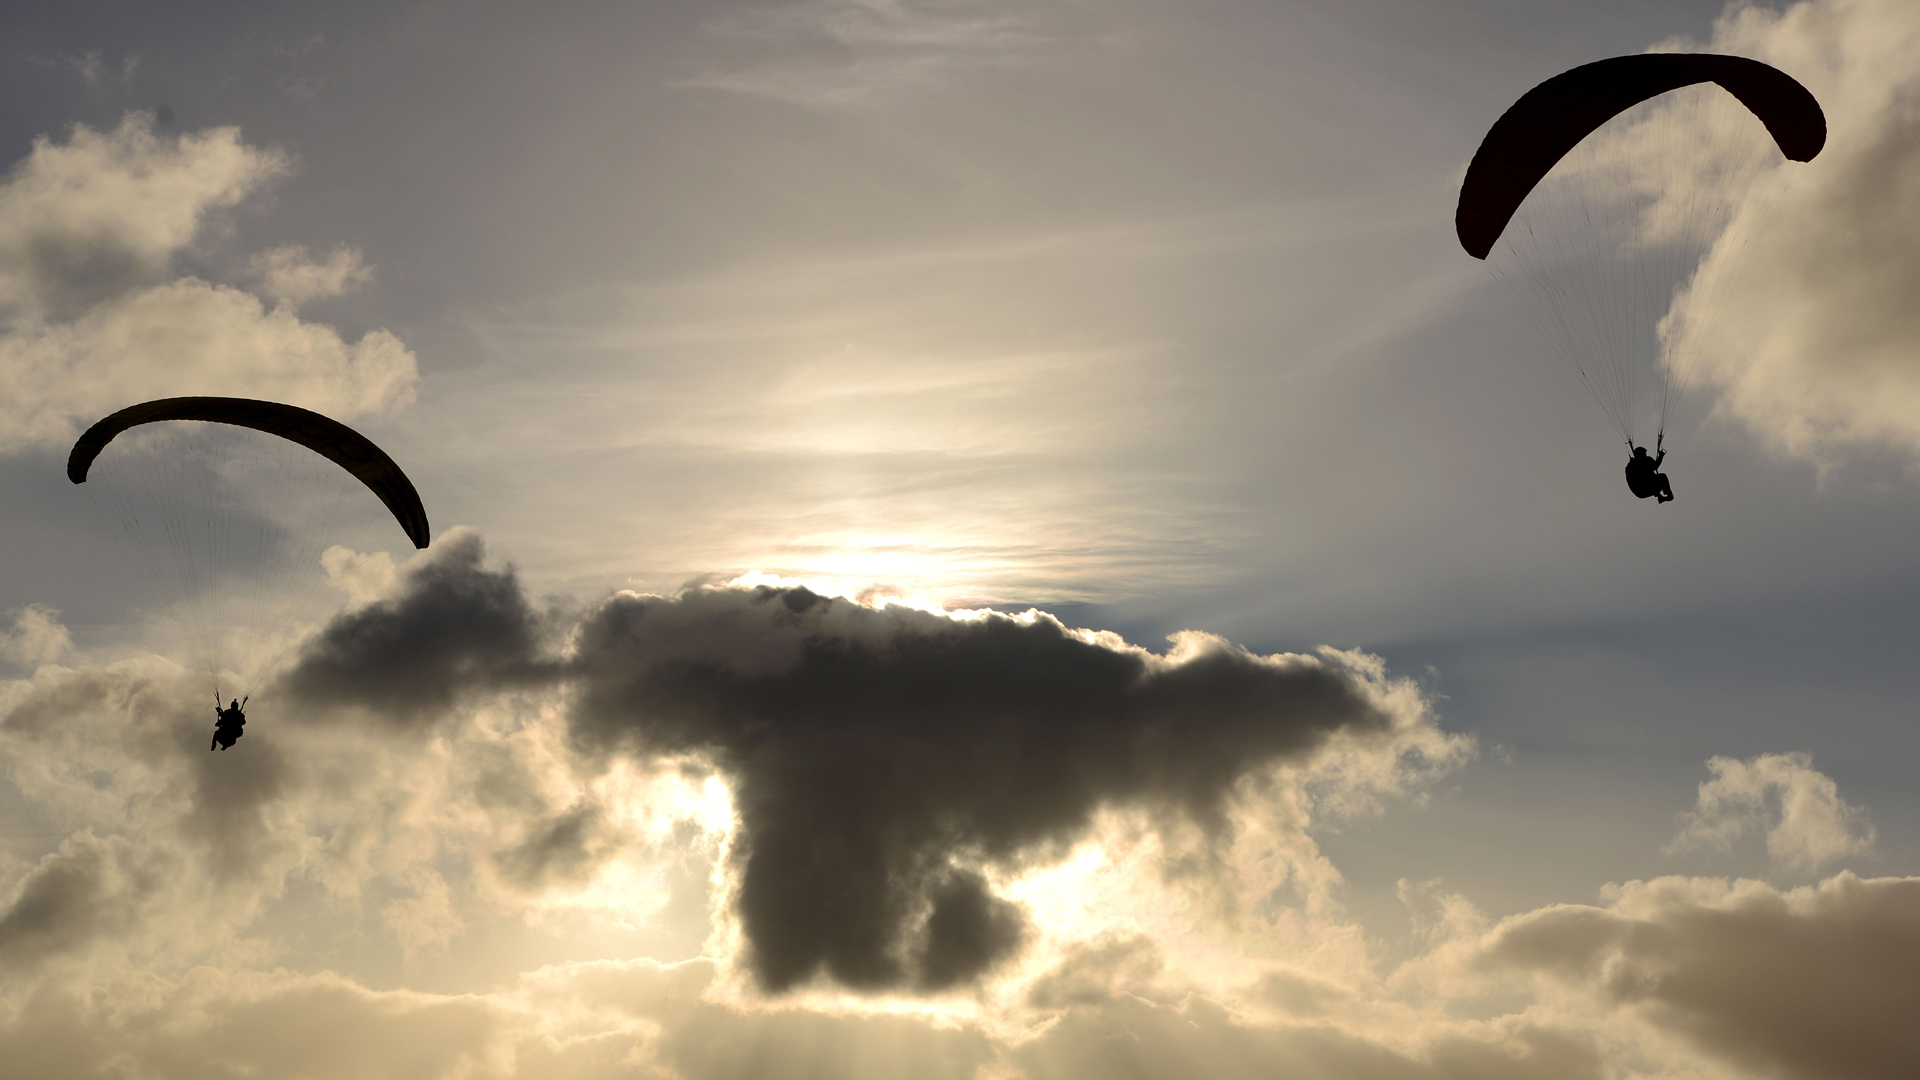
968 539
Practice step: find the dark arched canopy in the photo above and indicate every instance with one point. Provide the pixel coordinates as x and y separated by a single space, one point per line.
327 437
1552 118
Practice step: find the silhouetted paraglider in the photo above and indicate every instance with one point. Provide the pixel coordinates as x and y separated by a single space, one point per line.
1602 198
230 509
227 723
325 436
1644 477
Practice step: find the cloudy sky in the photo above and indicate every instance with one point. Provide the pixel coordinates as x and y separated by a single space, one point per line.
973 539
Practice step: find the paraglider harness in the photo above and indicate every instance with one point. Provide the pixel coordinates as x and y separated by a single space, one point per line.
226 731
1643 473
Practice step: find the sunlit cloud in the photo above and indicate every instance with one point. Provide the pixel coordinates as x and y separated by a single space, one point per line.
95 318
37 637
1807 823
1811 346
1195 939
744 744
290 275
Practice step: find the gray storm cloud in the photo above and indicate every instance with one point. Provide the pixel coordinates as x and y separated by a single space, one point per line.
883 761
456 626
92 888
877 755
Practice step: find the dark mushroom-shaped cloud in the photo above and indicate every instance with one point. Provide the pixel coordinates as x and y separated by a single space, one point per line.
885 762
880 756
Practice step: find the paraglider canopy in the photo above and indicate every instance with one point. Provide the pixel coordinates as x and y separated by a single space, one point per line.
244 521
1552 118
325 436
1617 203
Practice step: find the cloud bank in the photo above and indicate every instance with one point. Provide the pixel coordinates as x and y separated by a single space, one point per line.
1799 984
1024 849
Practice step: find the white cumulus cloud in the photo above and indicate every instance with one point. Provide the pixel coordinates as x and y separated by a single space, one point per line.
93 318
291 275
1813 345
37 637
1806 821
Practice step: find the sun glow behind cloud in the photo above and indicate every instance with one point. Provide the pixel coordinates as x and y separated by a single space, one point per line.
420 873
870 587
1163 907
594 855
1117 896
654 818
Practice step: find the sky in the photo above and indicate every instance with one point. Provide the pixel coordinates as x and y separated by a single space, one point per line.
970 539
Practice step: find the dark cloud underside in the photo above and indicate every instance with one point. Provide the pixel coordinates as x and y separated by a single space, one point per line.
1818 985
880 759
875 751
456 626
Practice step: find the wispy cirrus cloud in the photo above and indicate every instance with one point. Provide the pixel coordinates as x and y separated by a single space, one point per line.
838 53
94 68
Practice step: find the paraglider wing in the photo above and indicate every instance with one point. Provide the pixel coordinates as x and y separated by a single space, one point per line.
329 438
1552 118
